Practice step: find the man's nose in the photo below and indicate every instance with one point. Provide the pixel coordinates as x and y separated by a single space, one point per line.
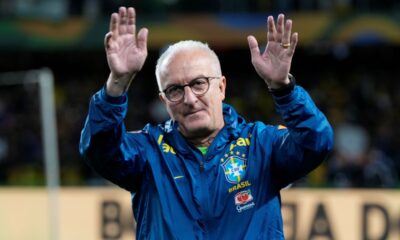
189 96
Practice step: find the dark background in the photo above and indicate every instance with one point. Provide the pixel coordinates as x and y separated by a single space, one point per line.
356 84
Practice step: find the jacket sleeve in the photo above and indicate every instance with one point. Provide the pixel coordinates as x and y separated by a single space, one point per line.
106 146
306 141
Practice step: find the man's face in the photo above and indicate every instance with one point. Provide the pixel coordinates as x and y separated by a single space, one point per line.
198 116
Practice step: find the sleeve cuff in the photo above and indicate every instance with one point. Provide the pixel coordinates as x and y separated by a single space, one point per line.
288 97
113 100
285 90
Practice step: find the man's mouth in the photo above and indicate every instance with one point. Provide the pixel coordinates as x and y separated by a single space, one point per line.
191 113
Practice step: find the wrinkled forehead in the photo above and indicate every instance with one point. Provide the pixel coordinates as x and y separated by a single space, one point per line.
184 66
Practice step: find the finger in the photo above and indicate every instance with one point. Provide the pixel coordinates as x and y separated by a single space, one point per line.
123 20
131 21
293 43
142 39
271 29
288 32
114 25
280 27
107 40
253 46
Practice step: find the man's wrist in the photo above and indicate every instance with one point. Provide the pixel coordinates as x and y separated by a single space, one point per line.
118 85
282 91
112 99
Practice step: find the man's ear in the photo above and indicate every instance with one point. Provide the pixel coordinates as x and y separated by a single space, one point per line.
222 87
161 97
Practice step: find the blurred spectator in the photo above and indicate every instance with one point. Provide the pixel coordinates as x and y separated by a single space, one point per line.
351 149
380 171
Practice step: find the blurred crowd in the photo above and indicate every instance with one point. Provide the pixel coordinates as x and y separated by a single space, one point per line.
20 135
356 87
359 94
360 97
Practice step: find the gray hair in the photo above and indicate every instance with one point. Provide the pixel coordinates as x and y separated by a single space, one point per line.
186 45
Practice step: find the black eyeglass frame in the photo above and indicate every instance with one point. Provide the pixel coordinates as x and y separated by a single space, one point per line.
190 84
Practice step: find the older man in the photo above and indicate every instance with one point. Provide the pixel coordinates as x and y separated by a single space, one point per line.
206 173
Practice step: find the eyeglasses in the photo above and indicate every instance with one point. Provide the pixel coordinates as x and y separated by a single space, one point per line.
199 87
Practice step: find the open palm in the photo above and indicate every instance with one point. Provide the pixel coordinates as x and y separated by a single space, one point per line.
273 65
126 52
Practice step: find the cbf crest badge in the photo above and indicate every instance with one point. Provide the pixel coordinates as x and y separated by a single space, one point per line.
234 168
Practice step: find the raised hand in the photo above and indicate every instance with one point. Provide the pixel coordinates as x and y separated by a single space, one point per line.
126 51
273 65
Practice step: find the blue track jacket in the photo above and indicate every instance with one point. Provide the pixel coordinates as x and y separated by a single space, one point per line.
232 192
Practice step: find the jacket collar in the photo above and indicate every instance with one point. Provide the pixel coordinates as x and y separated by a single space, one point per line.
231 130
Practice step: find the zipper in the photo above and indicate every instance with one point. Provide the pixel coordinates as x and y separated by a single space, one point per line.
201 166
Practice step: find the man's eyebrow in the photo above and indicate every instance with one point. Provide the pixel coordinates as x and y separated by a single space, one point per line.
171 85
179 85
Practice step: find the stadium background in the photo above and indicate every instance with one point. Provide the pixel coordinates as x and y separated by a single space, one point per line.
346 58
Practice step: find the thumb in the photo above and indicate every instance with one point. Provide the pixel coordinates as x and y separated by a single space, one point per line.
253 45
107 38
